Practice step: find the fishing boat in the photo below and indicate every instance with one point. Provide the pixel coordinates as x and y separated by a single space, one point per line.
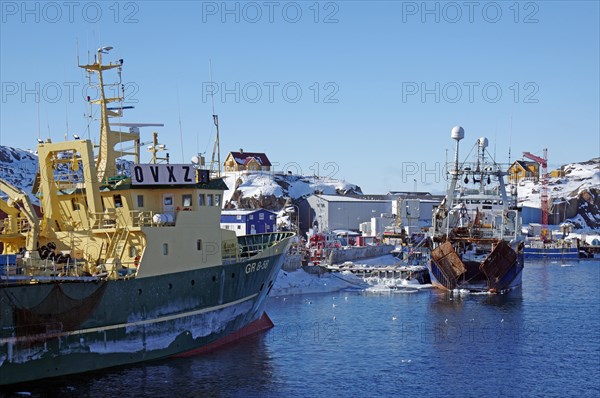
555 250
127 261
475 230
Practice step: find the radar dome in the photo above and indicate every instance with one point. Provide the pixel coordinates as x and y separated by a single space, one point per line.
482 142
458 133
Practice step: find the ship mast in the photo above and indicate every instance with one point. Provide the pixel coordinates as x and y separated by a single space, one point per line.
107 156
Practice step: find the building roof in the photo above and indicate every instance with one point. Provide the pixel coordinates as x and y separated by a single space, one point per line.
243 158
340 198
242 212
524 163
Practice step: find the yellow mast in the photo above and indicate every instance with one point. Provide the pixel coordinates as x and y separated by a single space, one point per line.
107 156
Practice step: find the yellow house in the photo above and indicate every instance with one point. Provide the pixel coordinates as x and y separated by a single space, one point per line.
522 169
557 173
251 161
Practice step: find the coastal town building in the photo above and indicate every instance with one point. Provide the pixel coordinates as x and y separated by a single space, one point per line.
523 169
248 222
246 161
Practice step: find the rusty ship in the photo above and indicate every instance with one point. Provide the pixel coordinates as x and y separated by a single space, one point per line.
123 264
475 231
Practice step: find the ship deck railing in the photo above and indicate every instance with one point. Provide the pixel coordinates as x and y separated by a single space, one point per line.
136 219
10 226
250 245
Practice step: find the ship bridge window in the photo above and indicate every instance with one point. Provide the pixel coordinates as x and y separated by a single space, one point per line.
75 204
209 200
199 244
217 199
186 200
165 249
140 200
118 201
201 200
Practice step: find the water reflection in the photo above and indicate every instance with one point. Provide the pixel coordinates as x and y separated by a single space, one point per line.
213 374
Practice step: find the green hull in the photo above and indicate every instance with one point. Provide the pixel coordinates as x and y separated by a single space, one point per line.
56 329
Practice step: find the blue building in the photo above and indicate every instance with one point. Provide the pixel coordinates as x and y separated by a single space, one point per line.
249 222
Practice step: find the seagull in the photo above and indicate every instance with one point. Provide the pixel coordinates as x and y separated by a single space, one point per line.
446 321
333 318
502 320
394 318
334 305
346 298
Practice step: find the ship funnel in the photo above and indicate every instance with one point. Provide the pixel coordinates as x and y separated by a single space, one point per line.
458 133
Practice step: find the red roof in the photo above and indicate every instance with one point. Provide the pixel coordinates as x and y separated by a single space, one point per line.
242 158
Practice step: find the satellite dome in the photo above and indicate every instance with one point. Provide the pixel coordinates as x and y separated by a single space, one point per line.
458 133
482 142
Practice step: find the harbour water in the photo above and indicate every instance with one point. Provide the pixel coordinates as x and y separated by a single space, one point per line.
543 340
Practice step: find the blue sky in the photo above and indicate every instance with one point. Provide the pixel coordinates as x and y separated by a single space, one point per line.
364 91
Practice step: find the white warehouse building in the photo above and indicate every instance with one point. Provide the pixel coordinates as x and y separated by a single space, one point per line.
333 212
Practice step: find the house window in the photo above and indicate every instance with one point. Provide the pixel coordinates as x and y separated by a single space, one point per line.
75 204
186 200
267 227
199 244
140 200
209 201
238 217
251 217
261 216
239 227
272 217
201 200
118 201
217 200
165 249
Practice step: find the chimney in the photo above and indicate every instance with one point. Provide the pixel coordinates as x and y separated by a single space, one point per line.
241 150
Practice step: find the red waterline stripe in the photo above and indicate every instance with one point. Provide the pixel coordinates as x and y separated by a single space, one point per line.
260 325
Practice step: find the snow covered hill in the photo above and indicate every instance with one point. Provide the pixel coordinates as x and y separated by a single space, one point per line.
271 191
574 197
18 167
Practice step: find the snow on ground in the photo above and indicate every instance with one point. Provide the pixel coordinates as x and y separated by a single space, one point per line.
578 176
301 282
264 183
388 259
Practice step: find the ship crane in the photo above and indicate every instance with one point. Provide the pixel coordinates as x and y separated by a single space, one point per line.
544 189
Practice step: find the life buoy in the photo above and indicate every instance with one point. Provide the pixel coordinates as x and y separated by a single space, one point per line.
136 261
